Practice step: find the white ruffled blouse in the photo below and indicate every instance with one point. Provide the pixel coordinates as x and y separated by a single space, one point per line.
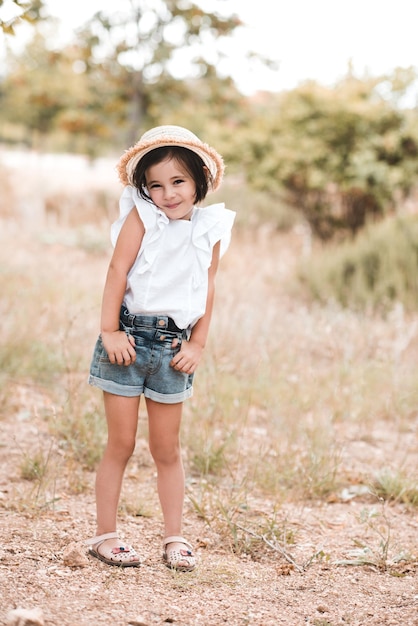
170 274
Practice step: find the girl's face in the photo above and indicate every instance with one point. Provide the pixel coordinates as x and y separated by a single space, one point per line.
171 189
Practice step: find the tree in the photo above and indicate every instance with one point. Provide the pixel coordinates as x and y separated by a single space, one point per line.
61 97
141 43
121 74
340 155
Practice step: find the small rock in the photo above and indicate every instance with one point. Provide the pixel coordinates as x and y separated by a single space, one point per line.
25 617
322 609
74 556
284 569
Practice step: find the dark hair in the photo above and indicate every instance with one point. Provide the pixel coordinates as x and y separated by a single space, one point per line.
191 161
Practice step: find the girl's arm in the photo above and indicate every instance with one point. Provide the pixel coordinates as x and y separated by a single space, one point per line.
117 344
191 351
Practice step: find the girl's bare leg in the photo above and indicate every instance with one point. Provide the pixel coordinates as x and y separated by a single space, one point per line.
164 441
122 421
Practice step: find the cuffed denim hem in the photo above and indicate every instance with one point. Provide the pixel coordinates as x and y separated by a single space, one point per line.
111 387
133 392
168 398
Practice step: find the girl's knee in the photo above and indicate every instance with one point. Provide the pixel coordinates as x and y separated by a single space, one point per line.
166 455
122 448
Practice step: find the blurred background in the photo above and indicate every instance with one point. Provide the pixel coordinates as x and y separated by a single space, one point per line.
314 108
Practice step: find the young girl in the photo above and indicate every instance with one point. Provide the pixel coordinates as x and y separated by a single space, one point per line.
156 311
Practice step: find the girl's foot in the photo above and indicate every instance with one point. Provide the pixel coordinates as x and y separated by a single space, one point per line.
178 554
110 550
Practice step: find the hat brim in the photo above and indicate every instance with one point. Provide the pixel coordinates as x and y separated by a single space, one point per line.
210 157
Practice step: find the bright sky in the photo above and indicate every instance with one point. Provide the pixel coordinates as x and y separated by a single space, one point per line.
317 38
310 39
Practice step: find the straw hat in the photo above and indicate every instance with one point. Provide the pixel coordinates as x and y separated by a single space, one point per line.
170 136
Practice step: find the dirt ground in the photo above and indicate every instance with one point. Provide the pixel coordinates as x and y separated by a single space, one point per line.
305 585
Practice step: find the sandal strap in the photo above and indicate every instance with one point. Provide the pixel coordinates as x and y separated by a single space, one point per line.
177 539
101 538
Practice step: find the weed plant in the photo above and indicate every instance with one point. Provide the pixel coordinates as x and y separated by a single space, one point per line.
376 270
397 485
377 546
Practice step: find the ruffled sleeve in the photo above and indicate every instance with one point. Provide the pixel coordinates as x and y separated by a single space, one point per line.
154 220
126 203
213 223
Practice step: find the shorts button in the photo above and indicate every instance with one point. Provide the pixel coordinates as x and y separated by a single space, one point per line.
161 323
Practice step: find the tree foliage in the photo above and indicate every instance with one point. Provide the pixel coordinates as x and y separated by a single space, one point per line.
144 42
341 155
46 93
24 11
116 78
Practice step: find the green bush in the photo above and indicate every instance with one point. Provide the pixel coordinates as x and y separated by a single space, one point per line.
374 271
338 155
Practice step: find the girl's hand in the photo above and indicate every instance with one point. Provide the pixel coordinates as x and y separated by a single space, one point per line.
120 347
188 358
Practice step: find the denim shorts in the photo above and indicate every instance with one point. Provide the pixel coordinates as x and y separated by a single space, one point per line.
151 374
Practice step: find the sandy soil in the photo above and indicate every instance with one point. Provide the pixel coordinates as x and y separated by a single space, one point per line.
265 589
225 589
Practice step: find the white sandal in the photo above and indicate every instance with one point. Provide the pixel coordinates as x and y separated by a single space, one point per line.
123 556
173 557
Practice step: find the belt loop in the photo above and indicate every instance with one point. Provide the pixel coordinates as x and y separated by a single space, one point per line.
131 319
